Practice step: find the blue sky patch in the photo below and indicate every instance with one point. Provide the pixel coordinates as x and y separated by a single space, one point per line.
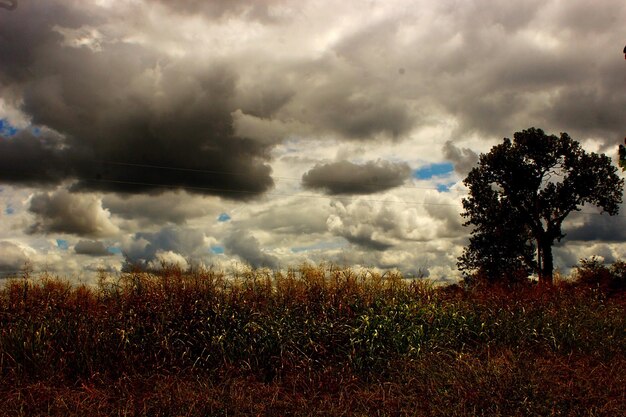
6 129
217 250
433 170
444 188
9 210
114 250
62 244
222 218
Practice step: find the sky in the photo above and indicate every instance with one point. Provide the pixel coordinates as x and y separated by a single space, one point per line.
277 132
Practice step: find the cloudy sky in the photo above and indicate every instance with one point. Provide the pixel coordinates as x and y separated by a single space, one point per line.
275 132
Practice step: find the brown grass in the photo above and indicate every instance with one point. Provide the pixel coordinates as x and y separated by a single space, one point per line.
312 341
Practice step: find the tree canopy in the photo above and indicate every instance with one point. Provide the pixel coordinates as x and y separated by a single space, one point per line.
521 192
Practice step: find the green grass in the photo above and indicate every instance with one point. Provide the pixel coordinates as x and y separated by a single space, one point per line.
313 341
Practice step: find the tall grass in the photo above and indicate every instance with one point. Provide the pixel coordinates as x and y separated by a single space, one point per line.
311 341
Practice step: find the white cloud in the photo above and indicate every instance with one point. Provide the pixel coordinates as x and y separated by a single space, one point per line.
392 220
166 258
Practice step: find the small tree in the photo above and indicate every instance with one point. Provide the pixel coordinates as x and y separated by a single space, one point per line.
521 192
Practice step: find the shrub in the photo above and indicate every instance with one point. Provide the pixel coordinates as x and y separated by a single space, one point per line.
594 273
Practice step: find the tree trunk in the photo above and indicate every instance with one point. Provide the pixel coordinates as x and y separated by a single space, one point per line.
547 264
539 264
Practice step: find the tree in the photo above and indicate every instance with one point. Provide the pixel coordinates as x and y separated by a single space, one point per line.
622 156
521 192
495 251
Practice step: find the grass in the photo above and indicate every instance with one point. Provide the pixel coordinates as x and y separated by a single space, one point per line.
312 341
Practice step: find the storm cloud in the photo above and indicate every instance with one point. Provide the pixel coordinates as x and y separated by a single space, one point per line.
140 122
91 248
598 228
63 212
126 119
344 177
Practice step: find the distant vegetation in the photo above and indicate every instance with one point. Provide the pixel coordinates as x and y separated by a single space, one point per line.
313 341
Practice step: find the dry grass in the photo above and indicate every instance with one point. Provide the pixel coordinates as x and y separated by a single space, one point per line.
312 341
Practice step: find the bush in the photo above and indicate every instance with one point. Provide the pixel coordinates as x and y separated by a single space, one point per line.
593 273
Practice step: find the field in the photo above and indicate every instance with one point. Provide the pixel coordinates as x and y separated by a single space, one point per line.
311 341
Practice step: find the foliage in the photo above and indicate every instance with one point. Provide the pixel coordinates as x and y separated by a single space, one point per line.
311 341
594 273
499 251
520 194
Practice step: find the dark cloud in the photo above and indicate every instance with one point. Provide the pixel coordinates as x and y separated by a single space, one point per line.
591 110
266 97
500 68
91 248
576 17
346 103
362 117
8 4
367 242
63 212
464 159
345 177
597 228
220 9
568 256
33 160
131 119
27 32
243 244
169 207
477 15
128 120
